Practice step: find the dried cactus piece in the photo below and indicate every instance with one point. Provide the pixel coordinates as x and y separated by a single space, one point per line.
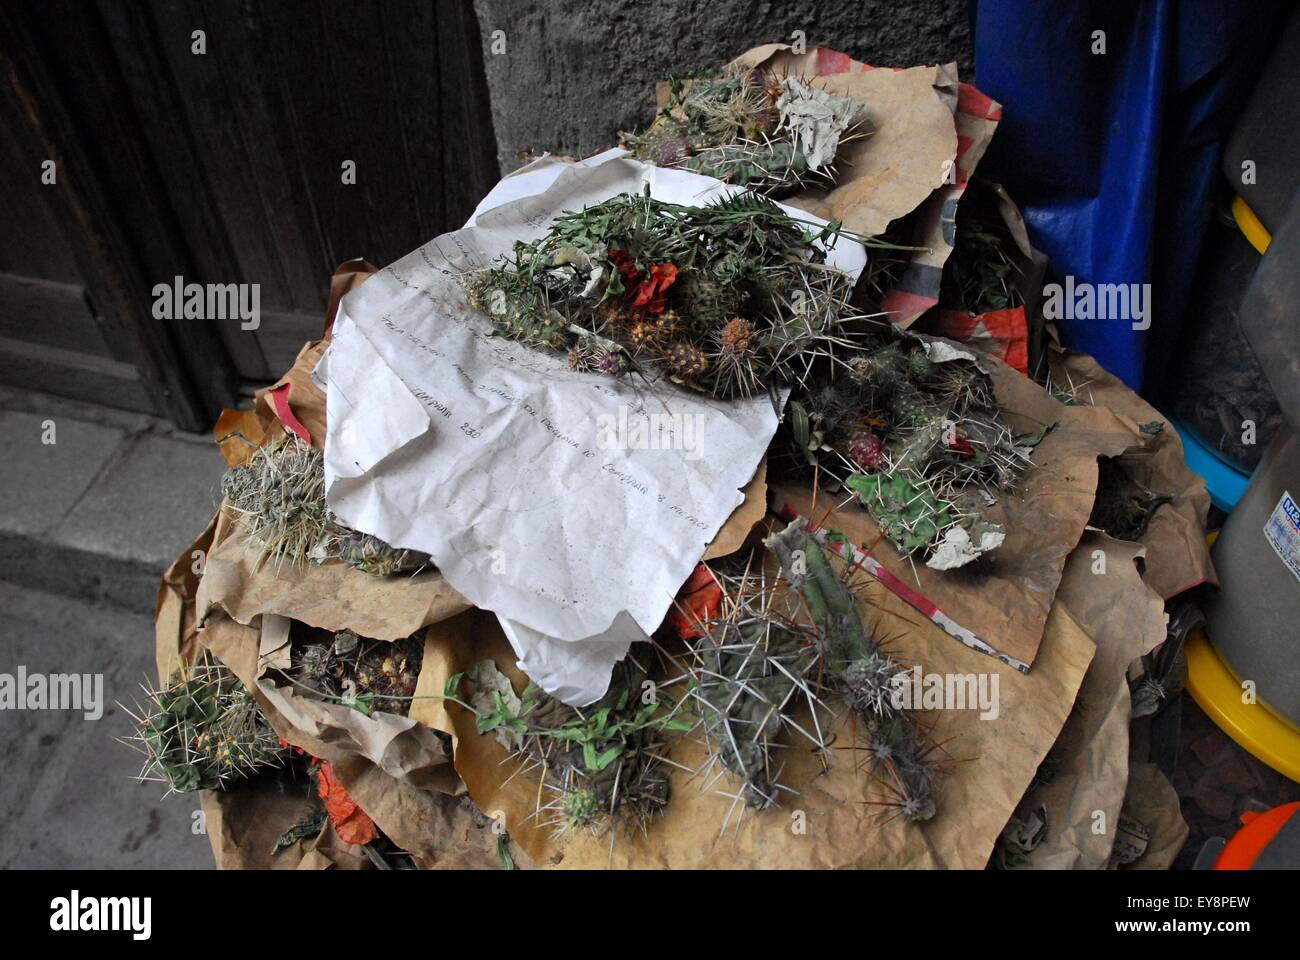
751 666
600 766
279 493
203 730
747 680
912 518
898 751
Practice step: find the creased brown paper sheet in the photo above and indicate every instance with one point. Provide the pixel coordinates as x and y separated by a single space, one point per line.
1087 774
243 825
175 622
1177 558
1152 801
453 647
332 595
437 829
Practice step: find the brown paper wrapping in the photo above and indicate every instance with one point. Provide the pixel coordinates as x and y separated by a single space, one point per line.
489 774
908 155
1030 264
243 825
420 810
976 119
306 399
175 623
1177 558
1090 760
1152 801
436 828
331 596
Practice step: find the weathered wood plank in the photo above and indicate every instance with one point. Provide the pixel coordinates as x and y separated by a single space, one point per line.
61 80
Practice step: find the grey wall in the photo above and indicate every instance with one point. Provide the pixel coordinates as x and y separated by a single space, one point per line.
575 72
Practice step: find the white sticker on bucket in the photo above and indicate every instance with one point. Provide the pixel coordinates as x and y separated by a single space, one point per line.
1283 532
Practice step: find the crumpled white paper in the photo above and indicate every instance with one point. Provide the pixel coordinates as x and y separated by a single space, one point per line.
495 458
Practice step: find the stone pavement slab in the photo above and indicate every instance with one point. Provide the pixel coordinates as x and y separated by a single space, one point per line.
67 793
104 509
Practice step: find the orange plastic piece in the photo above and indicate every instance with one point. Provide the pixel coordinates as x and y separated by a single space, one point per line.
1256 833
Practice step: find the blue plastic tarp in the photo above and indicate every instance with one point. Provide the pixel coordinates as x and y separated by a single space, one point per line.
1113 157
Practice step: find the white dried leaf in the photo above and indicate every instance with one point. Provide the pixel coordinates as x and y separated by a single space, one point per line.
487 680
958 547
816 119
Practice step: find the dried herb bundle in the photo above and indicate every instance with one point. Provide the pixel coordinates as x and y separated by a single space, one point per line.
914 430
748 127
280 493
731 299
599 765
365 674
203 730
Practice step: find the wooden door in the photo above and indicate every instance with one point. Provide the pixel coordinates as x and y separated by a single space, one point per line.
221 141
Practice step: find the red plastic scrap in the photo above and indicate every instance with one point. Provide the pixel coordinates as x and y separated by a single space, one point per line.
698 601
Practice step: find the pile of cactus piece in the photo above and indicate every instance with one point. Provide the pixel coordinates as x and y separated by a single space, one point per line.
772 134
912 429
781 659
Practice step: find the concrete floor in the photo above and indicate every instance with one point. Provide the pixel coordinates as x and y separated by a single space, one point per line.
89 524
67 791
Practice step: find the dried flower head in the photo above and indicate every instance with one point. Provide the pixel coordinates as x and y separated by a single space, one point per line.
673 151
581 358
611 363
687 361
667 325
867 450
644 335
737 338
